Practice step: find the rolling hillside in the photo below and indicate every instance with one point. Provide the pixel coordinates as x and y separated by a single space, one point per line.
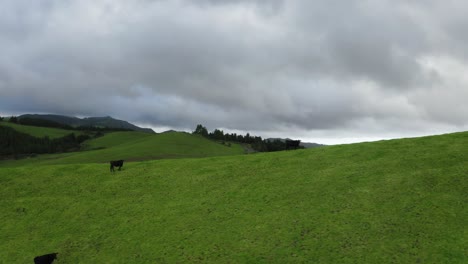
397 201
135 146
40 131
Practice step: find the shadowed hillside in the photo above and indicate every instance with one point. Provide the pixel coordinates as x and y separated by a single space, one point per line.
106 121
397 201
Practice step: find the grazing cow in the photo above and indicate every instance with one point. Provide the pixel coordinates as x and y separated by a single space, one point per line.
45 259
116 163
292 144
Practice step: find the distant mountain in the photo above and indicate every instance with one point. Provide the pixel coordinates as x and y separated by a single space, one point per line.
106 121
311 145
304 144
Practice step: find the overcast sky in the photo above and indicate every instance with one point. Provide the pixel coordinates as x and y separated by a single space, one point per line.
326 71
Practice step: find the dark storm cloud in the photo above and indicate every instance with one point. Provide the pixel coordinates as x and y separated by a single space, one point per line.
365 66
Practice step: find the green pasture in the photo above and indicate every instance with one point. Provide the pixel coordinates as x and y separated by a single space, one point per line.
135 146
40 131
397 201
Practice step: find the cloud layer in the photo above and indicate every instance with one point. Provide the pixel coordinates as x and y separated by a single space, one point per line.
310 69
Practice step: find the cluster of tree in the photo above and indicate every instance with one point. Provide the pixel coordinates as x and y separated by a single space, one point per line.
257 143
48 123
17 144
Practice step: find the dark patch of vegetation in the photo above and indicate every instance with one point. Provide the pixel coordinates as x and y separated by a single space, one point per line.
13 119
256 142
42 123
39 122
16 144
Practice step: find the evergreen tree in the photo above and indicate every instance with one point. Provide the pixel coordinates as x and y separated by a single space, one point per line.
201 130
217 134
13 119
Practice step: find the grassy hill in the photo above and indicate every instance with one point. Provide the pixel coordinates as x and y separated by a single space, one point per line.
40 131
135 146
397 201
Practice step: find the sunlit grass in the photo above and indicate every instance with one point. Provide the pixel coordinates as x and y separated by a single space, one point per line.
398 201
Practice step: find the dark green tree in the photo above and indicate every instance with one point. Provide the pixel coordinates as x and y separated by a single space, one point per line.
201 130
217 134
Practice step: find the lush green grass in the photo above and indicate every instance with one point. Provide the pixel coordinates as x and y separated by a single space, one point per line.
117 138
40 131
135 146
398 201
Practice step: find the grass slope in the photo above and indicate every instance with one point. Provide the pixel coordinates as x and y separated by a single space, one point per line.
136 146
40 131
398 201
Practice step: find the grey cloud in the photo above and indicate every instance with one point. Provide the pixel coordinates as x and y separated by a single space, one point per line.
248 65
266 7
365 40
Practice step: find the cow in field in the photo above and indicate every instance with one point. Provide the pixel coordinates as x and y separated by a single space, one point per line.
45 259
292 144
116 163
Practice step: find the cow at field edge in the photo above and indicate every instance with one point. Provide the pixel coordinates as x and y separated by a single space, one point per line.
45 259
116 163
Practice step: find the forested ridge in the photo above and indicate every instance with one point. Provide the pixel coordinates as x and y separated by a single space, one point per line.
17 144
256 142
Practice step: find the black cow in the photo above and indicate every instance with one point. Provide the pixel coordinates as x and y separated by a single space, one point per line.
45 259
116 163
292 144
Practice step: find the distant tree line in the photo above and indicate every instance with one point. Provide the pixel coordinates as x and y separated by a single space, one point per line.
17 144
48 123
257 143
